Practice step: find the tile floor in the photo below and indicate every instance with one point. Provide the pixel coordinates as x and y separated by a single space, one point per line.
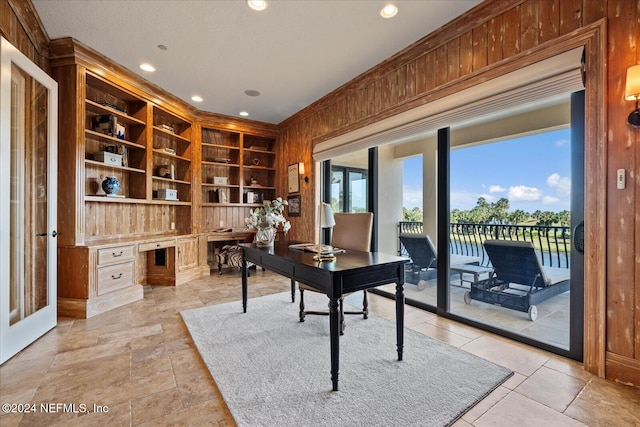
139 365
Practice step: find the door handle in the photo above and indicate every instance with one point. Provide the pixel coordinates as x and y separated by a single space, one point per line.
54 233
578 237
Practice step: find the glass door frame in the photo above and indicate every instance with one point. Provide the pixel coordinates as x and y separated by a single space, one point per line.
16 335
442 308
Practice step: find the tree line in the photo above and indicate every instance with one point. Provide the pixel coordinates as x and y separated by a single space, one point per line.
496 213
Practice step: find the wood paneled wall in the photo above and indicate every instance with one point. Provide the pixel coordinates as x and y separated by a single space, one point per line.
20 24
484 43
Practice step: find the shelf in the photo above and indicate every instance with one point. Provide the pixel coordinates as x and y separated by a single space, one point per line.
106 166
230 165
114 139
259 168
169 180
171 134
253 150
220 146
259 187
161 152
119 114
105 199
169 202
209 184
229 204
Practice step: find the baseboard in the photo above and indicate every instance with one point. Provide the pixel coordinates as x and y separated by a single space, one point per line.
86 308
622 369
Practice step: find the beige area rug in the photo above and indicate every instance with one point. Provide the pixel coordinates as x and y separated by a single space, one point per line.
273 370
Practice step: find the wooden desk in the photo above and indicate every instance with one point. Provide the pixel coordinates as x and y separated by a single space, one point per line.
351 271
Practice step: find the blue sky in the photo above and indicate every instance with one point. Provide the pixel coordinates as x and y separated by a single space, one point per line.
533 172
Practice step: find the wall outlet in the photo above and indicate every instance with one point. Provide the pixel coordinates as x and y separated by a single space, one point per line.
173 225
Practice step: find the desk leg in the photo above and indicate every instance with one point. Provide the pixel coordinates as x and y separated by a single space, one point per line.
245 273
400 318
293 290
334 332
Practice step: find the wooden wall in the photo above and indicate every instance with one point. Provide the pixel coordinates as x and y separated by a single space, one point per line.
483 43
20 24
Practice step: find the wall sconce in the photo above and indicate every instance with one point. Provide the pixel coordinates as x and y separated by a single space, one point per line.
632 93
301 171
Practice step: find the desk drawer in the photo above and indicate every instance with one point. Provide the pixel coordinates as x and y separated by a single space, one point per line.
116 254
144 247
114 277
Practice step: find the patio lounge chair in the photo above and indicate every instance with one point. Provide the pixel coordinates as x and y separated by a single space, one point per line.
424 258
518 281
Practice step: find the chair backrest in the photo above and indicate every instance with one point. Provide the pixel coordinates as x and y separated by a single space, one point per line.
420 249
352 231
516 262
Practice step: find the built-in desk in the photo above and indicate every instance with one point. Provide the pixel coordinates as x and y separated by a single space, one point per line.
105 274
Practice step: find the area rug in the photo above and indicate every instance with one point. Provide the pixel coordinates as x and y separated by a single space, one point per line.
273 370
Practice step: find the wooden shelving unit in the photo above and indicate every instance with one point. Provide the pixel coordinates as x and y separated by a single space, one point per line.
166 145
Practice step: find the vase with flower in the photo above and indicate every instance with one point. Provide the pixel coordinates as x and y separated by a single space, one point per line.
266 220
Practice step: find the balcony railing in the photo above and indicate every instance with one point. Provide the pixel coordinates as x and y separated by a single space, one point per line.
553 243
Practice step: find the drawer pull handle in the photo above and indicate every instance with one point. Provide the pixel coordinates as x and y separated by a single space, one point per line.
116 255
116 277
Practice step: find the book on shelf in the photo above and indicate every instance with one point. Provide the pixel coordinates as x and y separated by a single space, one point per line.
168 128
110 105
211 136
104 123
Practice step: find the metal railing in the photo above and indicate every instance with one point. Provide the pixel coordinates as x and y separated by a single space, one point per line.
552 243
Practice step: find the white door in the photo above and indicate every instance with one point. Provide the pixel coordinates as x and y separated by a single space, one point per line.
28 195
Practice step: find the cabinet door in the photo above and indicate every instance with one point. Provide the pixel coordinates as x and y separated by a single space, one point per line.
28 173
187 253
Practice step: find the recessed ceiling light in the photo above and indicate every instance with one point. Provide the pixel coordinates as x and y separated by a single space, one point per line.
243 113
389 11
196 98
147 67
257 4
251 92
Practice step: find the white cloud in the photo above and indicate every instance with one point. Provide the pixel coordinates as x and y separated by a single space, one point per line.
412 197
561 142
562 185
522 193
461 199
548 200
496 189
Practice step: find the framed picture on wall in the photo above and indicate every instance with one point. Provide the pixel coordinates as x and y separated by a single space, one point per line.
294 205
293 178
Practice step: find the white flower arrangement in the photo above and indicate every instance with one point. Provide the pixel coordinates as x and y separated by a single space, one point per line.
269 215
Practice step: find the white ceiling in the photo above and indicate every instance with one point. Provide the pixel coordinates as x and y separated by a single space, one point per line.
293 53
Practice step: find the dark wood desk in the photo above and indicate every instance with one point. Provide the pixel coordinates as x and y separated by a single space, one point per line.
351 271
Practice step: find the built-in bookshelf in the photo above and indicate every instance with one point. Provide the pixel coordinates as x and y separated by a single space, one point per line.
171 158
220 164
115 141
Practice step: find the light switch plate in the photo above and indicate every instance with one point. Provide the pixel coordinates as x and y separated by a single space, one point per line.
621 179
